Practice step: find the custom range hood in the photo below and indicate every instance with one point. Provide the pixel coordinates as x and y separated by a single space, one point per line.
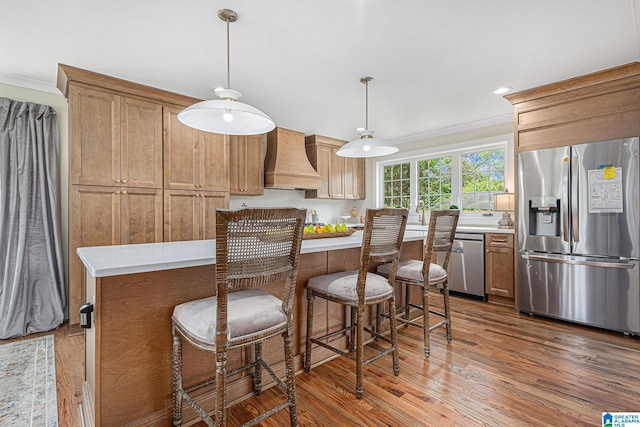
286 164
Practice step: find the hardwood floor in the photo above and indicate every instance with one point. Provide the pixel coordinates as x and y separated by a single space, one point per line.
502 369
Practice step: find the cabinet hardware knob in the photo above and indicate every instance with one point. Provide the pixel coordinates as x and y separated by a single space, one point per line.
117 181
124 192
124 181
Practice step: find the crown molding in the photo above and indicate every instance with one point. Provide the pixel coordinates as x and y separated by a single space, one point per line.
29 83
462 127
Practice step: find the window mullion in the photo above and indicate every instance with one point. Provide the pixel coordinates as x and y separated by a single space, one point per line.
456 180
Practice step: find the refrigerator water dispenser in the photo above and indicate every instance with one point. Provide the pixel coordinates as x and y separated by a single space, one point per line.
544 216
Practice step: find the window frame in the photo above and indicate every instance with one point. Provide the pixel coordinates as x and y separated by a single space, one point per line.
455 151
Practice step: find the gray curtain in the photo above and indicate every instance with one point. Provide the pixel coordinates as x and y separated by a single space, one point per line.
32 290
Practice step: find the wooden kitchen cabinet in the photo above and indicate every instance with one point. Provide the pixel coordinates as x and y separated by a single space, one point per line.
190 215
116 215
114 139
499 265
104 216
194 160
354 178
246 165
341 177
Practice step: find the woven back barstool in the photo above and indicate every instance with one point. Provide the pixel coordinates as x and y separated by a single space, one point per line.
254 247
430 272
357 289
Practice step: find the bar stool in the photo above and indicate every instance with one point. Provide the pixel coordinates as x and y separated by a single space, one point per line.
442 230
381 241
254 247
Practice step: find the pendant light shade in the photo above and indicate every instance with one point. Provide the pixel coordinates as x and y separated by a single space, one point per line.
226 115
367 145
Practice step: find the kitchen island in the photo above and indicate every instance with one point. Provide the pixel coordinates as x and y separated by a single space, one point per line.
133 289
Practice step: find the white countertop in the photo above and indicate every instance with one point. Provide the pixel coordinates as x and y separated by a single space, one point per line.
102 261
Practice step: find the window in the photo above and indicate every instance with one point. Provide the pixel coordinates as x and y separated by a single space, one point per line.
465 175
482 176
434 183
397 186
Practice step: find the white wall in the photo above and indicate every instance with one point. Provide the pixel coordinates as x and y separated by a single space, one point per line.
328 210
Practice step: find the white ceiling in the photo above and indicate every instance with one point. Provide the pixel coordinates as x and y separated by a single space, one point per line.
435 63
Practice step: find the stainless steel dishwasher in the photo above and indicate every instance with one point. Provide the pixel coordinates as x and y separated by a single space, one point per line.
466 266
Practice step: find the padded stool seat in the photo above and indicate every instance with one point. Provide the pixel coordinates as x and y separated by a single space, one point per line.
411 269
248 313
343 285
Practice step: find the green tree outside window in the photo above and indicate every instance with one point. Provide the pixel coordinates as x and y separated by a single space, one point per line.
482 176
434 183
397 186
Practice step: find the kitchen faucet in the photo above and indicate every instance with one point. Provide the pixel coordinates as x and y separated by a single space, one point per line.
421 209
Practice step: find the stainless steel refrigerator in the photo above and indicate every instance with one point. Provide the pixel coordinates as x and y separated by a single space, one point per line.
579 234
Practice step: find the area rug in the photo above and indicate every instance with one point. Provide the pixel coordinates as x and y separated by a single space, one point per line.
28 383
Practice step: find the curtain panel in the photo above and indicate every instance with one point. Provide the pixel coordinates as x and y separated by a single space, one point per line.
32 289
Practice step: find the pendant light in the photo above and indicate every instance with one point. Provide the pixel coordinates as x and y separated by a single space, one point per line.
226 115
367 145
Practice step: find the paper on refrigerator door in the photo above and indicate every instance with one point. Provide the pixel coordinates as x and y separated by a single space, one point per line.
605 190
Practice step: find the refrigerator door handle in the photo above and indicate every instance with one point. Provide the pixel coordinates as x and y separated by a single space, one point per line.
565 199
575 196
604 264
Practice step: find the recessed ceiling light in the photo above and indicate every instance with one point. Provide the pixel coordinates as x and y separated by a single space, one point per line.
502 90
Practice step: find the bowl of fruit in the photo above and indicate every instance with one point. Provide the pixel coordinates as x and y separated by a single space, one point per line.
321 231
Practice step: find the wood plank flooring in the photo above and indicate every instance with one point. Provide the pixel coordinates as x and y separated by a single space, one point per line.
502 369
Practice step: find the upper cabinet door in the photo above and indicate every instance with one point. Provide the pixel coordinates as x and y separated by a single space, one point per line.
115 140
193 160
246 164
94 137
323 167
336 175
181 155
354 178
214 151
141 143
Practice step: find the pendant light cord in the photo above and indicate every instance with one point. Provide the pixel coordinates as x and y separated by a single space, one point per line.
366 107
228 58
